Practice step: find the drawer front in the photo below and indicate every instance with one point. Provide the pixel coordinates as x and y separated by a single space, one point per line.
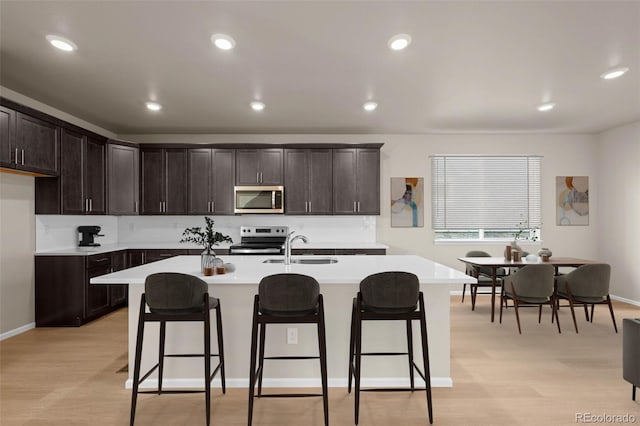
99 261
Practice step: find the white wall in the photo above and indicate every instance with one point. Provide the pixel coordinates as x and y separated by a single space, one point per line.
618 153
17 245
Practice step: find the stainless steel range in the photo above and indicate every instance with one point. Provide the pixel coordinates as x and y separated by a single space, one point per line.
260 240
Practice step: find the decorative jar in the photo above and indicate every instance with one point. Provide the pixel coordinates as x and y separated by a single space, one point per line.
544 254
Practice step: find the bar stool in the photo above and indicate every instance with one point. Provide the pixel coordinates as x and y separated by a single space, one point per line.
389 296
286 299
177 297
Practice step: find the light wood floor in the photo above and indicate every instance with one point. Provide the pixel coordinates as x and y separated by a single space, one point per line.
70 376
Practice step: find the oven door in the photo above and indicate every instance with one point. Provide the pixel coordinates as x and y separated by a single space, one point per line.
259 199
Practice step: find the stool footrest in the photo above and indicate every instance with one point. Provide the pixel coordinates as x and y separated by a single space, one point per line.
287 395
173 391
391 389
384 353
291 357
186 355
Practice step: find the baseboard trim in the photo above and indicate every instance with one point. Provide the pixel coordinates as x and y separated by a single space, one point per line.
17 331
384 382
625 300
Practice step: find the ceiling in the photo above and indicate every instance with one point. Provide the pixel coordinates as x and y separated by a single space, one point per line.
471 67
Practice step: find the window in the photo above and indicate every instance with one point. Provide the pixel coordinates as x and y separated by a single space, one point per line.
477 197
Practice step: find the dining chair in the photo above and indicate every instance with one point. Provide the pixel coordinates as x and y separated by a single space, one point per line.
483 274
172 296
586 285
532 285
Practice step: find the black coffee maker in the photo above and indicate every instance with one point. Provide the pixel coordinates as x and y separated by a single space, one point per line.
88 233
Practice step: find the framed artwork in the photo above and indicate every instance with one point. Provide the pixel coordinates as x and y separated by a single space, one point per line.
407 202
572 200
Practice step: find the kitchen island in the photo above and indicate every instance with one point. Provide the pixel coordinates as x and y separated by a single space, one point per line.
339 283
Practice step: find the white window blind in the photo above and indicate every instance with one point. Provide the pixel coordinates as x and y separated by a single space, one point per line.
485 192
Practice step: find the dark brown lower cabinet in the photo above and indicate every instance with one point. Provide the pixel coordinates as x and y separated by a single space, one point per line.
63 294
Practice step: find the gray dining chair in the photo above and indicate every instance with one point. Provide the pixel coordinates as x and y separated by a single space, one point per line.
483 274
532 285
586 285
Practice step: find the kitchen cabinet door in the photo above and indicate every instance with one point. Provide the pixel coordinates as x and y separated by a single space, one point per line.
7 137
97 300
164 181
308 181
222 180
124 179
368 181
37 145
356 181
82 174
118 292
199 183
259 166
95 176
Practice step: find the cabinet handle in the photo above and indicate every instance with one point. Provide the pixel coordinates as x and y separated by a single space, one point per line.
261 177
354 207
309 207
160 206
164 207
90 204
22 156
86 204
16 156
306 206
358 206
258 177
135 207
213 206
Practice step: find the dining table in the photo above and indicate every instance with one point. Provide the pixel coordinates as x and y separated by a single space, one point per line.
494 263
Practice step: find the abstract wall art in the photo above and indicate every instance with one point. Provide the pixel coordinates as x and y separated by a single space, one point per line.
572 198
407 202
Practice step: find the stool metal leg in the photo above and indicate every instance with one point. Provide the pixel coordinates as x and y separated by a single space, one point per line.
358 359
252 369
410 353
220 347
263 330
207 359
322 348
425 356
352 343
138 357
163 332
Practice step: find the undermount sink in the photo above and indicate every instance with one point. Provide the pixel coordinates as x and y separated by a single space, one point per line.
306 261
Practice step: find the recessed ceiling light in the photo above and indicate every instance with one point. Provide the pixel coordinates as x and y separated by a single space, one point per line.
223 41
153 106
370 106
399 41
257 105
614 73
546 107
62 43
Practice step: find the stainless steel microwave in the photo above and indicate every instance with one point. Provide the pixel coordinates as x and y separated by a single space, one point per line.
259 199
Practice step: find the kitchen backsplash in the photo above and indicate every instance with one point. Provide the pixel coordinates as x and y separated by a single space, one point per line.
55 232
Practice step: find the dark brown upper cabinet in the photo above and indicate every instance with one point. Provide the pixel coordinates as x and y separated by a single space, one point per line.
28 143
81 187
262 166
211 180
164 181
308 181
124 179
82 174
7 136
356 181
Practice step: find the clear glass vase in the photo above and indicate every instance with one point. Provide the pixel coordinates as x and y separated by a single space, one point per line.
208 262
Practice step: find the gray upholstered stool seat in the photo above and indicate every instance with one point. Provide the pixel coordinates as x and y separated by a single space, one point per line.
177 297
286 299
532 285
389 296
586 285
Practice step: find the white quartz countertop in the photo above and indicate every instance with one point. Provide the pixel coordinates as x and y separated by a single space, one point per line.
106 248
251 269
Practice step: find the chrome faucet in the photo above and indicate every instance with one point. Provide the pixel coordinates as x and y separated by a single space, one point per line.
287 245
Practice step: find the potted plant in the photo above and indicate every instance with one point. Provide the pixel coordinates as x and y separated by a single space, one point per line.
206 238
524 232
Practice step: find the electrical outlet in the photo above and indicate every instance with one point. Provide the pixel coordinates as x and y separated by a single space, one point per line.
292 336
